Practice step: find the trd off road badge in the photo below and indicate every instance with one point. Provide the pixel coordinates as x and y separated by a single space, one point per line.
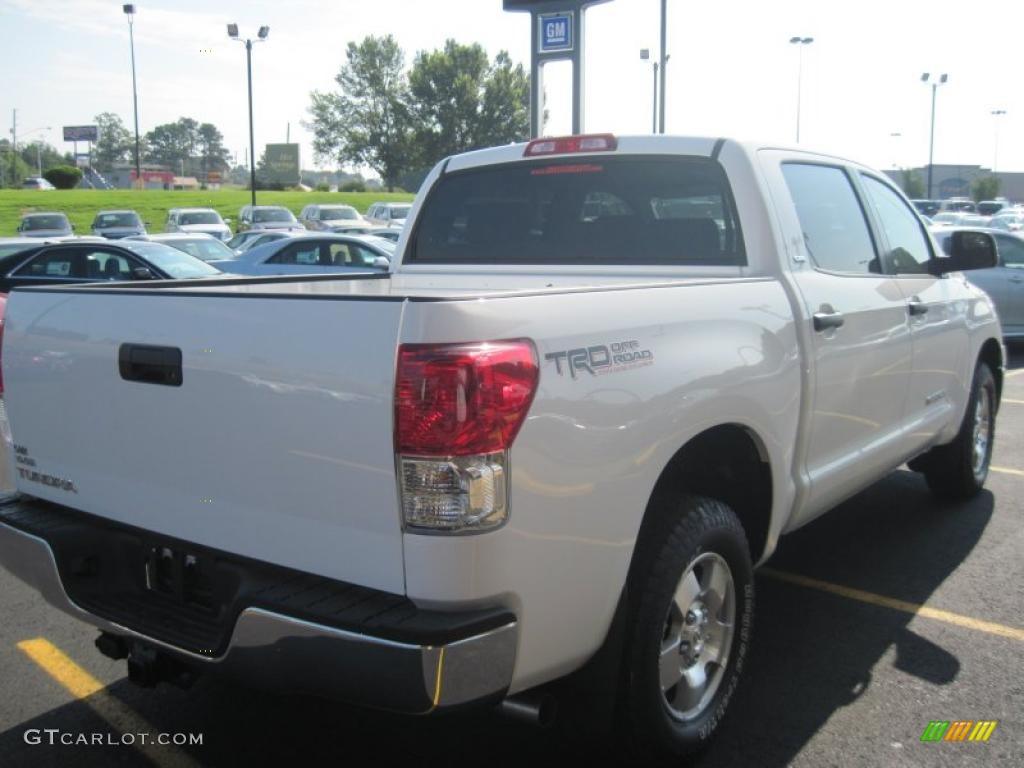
601 359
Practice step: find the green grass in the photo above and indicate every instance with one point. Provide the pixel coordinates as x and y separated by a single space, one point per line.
81 205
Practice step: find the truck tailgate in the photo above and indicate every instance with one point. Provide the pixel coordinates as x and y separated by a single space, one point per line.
276 444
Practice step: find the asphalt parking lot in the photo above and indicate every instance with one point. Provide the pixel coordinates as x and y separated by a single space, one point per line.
893 611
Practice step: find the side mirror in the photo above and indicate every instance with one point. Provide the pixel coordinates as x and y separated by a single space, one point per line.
383 262
966 250
227 221
142 273
72 227
147 224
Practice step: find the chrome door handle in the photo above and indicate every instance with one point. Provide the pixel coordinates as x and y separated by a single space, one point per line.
917 307
825 320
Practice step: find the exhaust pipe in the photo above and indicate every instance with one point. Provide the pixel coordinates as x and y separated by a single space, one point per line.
538 709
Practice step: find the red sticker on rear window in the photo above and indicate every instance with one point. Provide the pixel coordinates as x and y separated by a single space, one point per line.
578 168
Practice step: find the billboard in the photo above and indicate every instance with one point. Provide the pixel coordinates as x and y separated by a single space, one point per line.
282 164
81 133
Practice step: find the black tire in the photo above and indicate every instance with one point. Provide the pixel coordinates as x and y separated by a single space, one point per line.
694 533
957 471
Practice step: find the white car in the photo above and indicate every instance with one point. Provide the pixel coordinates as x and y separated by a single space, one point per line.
388 214
198 221
603 377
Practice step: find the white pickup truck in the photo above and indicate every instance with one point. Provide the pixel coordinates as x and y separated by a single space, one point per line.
545 451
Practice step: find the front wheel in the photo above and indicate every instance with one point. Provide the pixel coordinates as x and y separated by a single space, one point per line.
958 470
690 627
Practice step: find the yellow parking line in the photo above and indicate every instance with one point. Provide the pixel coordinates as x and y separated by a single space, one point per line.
1008 471
95 695
897 605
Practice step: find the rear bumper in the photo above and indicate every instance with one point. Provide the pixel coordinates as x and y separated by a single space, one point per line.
391 656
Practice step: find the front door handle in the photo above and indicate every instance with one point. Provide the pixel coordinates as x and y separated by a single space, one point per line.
917 307
827 319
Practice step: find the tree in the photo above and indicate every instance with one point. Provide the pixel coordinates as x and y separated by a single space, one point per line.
63 176
462 102
912 185
446 89
187 146
212 154
368 121
44 154
13 169
985 188
116 144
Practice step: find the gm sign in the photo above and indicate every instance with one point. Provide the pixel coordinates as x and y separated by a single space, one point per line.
555 32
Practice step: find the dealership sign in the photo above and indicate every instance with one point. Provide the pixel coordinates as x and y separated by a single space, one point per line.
81 133
282 164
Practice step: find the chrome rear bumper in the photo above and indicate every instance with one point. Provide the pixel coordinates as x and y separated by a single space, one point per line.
286 653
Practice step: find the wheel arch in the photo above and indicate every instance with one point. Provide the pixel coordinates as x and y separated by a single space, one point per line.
728 462
991 353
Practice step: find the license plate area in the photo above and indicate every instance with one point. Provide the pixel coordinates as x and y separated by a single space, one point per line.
187 578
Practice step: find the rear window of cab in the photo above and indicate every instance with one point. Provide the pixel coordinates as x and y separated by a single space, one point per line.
584 210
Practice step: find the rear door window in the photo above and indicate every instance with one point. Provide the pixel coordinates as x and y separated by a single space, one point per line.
629 211
835 231
59 262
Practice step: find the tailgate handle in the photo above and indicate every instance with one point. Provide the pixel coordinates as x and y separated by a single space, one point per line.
150 365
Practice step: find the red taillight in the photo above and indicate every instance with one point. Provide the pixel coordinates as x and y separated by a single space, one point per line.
594 142
462 399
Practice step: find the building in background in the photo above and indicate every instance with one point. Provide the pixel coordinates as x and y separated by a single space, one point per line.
955 180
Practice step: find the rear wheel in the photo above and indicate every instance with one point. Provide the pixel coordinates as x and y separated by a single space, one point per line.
958 470
690 627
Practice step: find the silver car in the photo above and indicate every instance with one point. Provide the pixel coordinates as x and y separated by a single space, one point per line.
312 254
1005 282
266 217
333 218
114 225
200 246
51 224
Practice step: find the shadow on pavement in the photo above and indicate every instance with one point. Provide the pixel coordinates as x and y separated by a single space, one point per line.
813 654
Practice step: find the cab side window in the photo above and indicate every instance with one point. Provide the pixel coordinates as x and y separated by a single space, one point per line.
835 231
1011 251
305 254
59 262
907 251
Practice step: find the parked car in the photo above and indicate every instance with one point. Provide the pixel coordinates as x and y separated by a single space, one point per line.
114 225
37 182
333 218
200 246
387 233
267 217
198 221
959 204
88 261
243 241
927 207
50 224
9 245
312 254
947 218
1011 222
1004 282
991 207
546 443
974 220
388 214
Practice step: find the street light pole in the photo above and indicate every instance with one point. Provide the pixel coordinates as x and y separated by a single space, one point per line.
664 63
233 34
996 113
645 55
895 135
931 141
799 42
129 11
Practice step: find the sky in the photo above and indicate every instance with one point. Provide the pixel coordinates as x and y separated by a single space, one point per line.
732 70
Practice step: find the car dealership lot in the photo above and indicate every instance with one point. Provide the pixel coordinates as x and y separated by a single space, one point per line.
842 670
